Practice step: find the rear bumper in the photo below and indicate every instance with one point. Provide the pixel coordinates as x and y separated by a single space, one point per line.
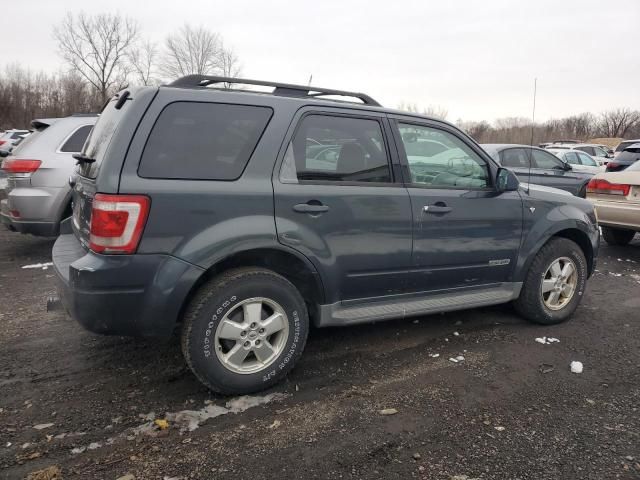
618 214
39 209
134 295
41 229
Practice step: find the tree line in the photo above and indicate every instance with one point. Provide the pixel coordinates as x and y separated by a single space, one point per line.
101 55
614 123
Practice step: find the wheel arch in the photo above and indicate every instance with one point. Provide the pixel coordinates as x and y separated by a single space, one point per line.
292 266
573 233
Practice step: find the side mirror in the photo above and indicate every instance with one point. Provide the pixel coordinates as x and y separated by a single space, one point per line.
567 166
506 180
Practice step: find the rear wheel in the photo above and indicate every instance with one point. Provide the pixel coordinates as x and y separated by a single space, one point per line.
244 331
554 283
617 236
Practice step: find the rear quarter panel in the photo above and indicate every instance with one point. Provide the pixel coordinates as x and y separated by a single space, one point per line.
204 221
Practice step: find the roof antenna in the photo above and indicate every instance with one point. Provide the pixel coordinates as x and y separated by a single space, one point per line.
533 126
310 78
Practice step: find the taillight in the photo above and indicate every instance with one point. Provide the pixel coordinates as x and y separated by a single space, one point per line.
601 186
20 168
117 222
613 165
2 142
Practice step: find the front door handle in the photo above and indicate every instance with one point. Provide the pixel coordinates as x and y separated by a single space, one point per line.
310 208
436 209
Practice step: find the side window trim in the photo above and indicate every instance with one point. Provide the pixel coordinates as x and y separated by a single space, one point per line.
365 115
404 162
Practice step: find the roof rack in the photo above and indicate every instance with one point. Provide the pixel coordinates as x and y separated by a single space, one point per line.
282 89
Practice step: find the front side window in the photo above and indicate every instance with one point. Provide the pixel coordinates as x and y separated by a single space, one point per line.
572 158
542 159
600 152
203 141
336 149
439 159
587 160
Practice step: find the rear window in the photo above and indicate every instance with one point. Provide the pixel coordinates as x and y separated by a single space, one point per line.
624 145
203 141
100 137
75 142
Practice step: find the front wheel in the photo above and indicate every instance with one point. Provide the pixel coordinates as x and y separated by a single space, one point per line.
554 283
617 236
244 331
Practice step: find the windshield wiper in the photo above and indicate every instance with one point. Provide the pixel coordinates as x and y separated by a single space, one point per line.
82 158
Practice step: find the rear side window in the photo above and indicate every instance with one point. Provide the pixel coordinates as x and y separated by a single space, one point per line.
545 160
337 149
76 141
203 141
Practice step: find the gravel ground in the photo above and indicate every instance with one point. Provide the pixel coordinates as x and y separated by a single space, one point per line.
510 410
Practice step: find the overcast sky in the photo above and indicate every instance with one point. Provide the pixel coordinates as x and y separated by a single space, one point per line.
477 59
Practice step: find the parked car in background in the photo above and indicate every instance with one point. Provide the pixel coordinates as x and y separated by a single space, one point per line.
539 166
579 161
10 138
625 158
622 145
600 154
209 209
38 170
616 198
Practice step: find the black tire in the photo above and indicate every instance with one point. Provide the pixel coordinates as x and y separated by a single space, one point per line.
582 193
617 236
530 304
220 296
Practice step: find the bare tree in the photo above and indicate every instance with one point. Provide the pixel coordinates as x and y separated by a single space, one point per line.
435 111
616 123
192 50
96 47
230 63
143 62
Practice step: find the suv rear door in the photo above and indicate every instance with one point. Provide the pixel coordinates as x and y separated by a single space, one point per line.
465 233
338 201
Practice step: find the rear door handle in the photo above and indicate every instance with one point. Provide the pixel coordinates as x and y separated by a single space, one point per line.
436 209
310 208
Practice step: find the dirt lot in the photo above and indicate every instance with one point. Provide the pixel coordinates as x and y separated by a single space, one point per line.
510 410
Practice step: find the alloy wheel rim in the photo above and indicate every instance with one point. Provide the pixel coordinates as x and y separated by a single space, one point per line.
559 283
251 335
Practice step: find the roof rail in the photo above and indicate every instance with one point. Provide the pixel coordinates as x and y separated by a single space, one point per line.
282 89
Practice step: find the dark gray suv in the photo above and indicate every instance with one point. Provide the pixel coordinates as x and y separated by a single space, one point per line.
240 217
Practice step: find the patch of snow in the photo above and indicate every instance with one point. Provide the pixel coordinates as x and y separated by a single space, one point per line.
547 340
42 426
189 420
434 355
576 367
43 266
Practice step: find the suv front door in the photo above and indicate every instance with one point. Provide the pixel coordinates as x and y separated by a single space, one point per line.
465 232
338 203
